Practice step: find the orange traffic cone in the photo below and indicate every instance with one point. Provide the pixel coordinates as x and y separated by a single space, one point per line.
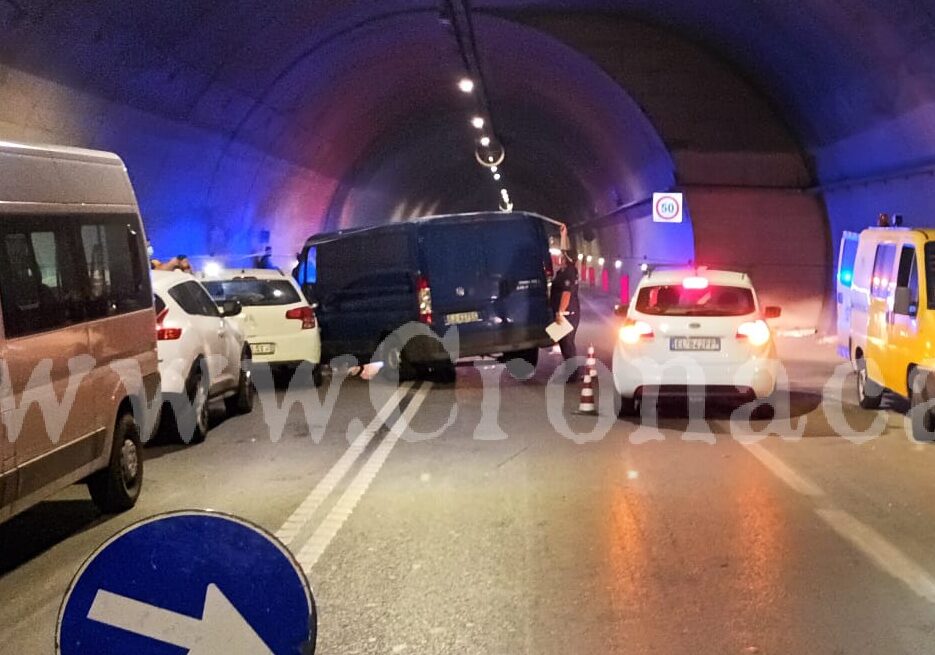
592 363
586 406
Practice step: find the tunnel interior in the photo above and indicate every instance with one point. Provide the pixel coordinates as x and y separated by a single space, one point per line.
245 124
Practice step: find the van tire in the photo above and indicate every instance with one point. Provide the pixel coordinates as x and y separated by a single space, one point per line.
869 393
117 487
318 377
520 372
242 401
629 407
923 420
393 356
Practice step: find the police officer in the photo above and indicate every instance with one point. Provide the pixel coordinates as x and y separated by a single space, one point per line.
565 303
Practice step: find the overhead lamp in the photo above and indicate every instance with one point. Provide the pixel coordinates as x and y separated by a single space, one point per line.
618 264
466 84
212 269
496 177
490 158
494 169
478 122
485 141
601 261
590 259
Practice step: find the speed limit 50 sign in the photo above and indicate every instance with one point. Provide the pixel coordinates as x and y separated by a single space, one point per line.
667 207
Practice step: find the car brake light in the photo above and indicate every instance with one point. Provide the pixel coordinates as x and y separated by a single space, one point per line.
304 314
166 333
695 283
633 332
755 332
425 300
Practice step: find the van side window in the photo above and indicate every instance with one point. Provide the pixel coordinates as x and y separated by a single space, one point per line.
116 276
39 281
882 284
908 275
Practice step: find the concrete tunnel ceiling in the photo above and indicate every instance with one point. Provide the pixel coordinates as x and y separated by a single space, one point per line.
243 118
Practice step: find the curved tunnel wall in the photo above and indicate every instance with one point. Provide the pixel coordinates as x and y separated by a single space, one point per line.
244 117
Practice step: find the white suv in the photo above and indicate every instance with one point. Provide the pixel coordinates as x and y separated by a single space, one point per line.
202 354
694 329
278 322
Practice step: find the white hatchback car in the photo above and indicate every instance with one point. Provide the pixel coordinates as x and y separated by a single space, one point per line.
278 322
202 354
694 329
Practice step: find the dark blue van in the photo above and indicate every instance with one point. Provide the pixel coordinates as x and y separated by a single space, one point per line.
485 273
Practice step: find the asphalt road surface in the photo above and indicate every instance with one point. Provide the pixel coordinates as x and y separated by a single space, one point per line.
437 521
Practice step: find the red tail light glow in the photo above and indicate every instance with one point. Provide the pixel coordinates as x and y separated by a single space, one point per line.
425 300
304 314
756 333
166 333
633 332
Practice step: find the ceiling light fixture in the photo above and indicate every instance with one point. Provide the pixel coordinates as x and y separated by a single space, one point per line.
466 84
478 122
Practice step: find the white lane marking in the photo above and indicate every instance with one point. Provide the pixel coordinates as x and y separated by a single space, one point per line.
345 505
304 513
782 471
879 549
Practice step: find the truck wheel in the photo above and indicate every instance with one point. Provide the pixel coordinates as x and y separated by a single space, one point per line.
923 419
869 393
242 401
393 356
116 488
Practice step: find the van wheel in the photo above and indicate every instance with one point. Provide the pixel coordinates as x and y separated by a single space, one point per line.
394 358
525 368
923 419
869 393
318 377
242 401
116 488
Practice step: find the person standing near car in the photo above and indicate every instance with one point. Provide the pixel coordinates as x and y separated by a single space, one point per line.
565 303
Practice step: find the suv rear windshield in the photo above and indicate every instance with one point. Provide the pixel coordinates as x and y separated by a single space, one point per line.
254 292
676 300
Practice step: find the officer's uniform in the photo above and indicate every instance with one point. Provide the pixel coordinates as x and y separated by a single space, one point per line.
566 279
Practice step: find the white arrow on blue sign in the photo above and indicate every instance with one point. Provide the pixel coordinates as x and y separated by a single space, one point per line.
194 582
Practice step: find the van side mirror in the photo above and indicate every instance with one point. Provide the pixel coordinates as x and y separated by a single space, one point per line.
230 308
903 302
772 312
621 310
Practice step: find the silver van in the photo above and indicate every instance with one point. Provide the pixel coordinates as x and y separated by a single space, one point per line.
78 364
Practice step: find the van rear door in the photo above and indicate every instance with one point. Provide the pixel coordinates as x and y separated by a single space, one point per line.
847 255
487 277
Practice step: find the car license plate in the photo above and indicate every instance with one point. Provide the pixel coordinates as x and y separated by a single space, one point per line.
462 318
704 344
263 348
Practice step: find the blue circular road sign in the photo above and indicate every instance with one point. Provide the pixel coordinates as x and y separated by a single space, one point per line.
194 582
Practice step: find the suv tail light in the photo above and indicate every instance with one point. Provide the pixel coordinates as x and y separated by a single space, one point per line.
633 332
166 333
755 332
425 300
305 314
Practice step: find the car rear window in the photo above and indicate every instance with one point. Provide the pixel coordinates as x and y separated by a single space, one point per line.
676 300
254 292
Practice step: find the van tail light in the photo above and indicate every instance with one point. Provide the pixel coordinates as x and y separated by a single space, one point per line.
633 332
756 333
425 300
305 314
166 333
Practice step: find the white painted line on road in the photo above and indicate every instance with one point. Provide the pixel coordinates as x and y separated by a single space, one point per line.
886 555
781 470
345 505
879 549
304 513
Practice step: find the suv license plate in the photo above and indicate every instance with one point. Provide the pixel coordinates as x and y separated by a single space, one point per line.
462 318
704 344
263 348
